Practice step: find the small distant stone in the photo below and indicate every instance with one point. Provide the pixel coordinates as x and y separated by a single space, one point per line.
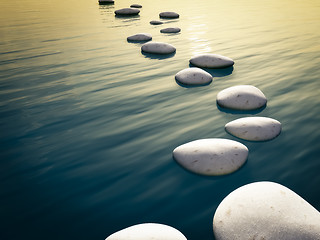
210 60
170 30
213 156
136 6
155 22
193 76
169 15
265 210
127 11
140 37
158 48
104 2
241 97
254 128
148 231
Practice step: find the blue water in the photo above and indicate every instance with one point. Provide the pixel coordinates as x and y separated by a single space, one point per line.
88 123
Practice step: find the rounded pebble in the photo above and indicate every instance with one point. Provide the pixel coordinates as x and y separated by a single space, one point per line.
170 30
241 97
265 210
169 15
212 156
127 11
155 22
254 128
102 2
210 60
136 6
148 231
193 76
140 37
158 48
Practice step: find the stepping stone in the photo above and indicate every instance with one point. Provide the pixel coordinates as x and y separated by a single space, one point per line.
214 156
265 210
155 22
148 231
169 15
127 11
193 76
136 6
158 48
210 60
104 2
170 30
254 128
241 97
140 37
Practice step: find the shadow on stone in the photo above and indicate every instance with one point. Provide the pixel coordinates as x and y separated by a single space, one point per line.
128 16
234 111
192 86
173 33
138 41
217 72
158 56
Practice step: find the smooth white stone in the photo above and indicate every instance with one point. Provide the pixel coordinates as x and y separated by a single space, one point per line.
127 11
265 210
136 6
193 76
212 156
210 60
155 22
254 128
241 97
148 231
140 37
158 48
169 15
170 30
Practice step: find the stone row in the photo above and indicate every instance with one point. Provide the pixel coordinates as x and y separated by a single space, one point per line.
261 210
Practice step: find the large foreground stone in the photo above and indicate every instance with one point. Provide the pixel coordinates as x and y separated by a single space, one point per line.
127 11
210 60
212 156
241 97
265 211
169 15
193 76
170 30
158 48
148 231
254 128
140 37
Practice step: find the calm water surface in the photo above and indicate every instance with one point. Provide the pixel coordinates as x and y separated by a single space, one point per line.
88 123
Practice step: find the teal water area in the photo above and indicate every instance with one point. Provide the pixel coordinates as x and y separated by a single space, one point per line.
88 123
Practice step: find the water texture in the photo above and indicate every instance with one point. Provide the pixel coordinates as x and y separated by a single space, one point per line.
88 123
